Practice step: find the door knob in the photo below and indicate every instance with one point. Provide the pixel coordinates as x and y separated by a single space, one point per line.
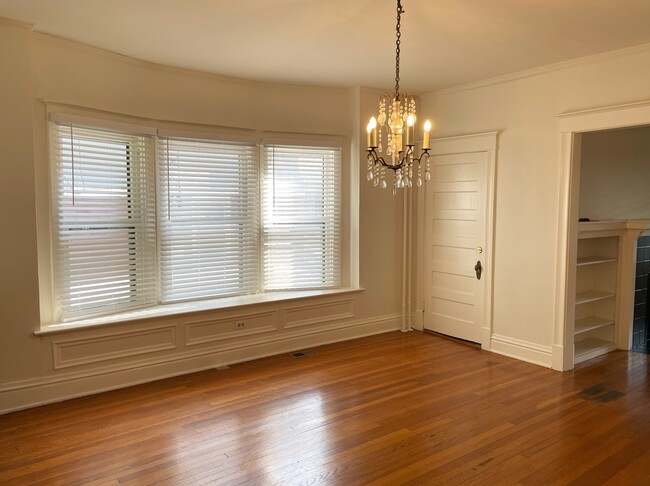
478 269
479 249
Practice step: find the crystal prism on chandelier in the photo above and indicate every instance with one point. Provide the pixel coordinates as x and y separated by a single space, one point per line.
396 119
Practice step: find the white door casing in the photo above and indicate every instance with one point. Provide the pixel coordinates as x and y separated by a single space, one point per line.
458 233
571 127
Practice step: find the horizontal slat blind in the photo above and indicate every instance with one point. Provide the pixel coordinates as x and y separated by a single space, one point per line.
208 218
104 223
301 211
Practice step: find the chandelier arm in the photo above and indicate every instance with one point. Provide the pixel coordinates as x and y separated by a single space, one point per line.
376 159
425 152
372 156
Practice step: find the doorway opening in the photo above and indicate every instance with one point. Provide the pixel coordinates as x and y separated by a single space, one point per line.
604 210
614 186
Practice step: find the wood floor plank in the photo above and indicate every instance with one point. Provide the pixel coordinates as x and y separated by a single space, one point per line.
389 409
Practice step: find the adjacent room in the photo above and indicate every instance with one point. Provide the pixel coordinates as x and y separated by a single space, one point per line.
297 242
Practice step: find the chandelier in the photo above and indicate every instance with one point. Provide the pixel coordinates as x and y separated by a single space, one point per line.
396 118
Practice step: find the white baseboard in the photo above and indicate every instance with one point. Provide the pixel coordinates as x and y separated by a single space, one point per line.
64 386
523 350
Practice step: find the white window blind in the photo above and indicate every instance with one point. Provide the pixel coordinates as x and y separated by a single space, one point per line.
301 217
208 218
104 235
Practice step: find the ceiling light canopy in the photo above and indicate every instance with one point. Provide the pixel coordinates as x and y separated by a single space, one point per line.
396 118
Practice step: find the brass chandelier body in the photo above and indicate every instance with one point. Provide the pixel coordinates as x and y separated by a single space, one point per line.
396 119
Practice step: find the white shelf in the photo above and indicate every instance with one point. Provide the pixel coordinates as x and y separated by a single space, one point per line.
591 323
590 348
592 296
586 227
594 260
597 288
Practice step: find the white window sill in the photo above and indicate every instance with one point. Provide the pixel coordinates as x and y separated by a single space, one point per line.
189 307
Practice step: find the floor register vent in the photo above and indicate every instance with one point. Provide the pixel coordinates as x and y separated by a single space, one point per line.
304 353
601 393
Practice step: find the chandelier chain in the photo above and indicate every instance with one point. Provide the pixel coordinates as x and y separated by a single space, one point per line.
398 35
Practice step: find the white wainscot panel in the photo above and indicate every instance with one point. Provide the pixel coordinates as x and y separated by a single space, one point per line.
219 328
95 349
316 313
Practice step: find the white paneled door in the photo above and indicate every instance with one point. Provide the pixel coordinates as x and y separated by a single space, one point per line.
455 247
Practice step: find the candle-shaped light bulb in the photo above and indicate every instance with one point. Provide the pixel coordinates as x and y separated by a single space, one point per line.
426 142
410 135
372 132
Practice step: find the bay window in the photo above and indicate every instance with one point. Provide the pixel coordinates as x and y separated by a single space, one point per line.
143 220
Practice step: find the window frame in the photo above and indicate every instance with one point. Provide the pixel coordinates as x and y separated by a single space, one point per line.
337 189
160 209
139 229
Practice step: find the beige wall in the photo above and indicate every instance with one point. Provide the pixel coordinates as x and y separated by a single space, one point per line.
524 108
19 315
615 174
36 67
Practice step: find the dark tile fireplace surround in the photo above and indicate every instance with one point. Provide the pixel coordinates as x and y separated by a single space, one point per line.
641 326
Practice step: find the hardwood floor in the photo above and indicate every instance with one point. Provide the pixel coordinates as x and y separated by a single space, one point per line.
385 410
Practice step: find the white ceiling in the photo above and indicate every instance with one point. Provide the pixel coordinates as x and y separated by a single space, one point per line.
345 42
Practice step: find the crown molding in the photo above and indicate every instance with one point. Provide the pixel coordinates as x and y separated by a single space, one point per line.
538 71
16 23
606 109
116 56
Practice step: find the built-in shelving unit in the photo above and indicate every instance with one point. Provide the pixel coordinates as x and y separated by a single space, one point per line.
596 296
601 287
